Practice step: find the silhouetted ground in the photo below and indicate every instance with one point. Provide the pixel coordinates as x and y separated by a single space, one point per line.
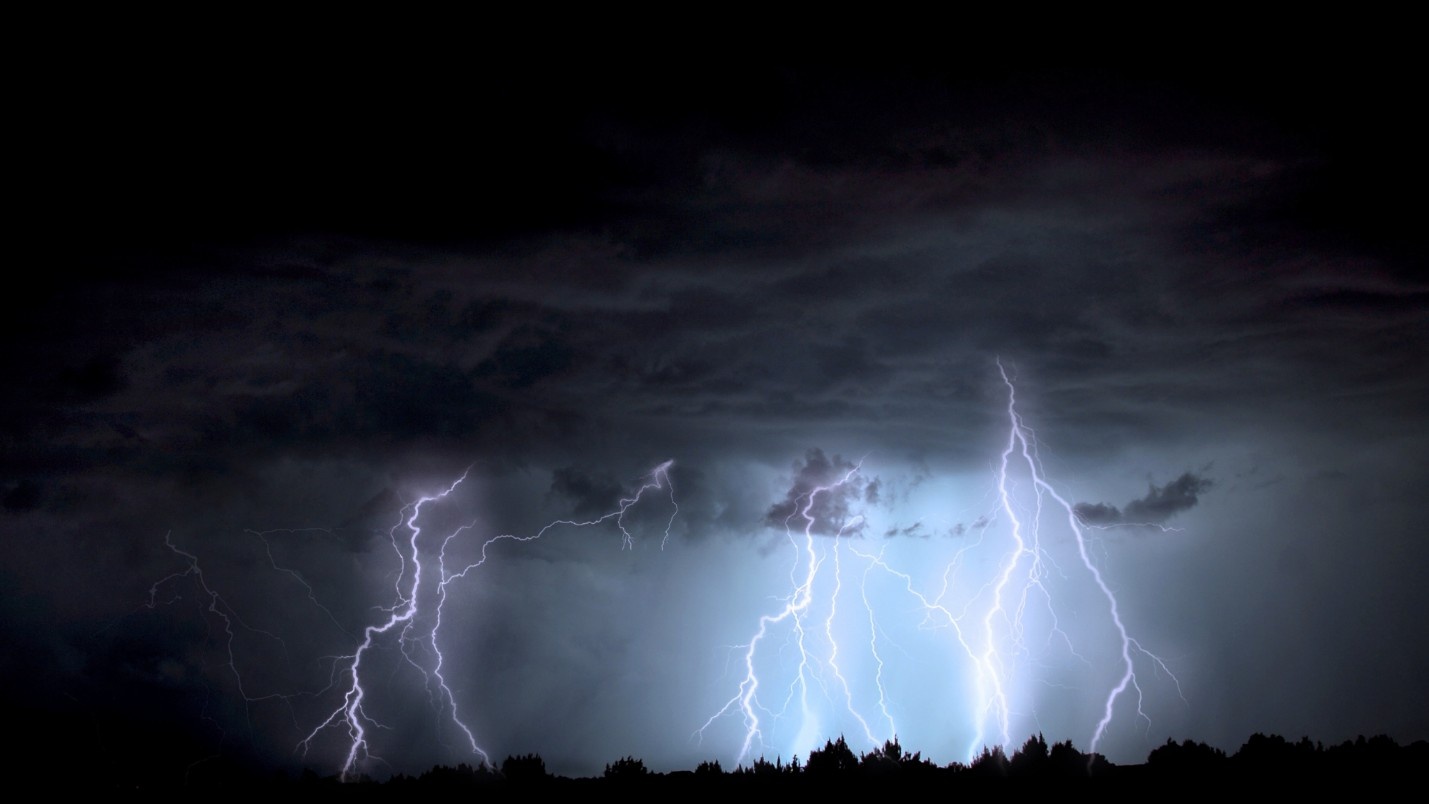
1362 764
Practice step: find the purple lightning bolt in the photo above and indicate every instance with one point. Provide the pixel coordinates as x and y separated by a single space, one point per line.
1021 441
351 715
412 622
988 616
795 612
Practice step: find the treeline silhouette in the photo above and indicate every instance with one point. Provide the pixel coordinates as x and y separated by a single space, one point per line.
1365 763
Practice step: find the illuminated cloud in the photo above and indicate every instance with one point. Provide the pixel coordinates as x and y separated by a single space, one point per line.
331 298
832 510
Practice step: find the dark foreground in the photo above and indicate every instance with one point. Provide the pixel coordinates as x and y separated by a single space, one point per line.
1362 764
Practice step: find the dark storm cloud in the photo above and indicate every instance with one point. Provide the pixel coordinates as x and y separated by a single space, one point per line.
97 378
819 493
1163 502
350 532
526 358
488 314
1367 302
843 249
590 495
392 398
1097 513
25 495
347 287
1160 503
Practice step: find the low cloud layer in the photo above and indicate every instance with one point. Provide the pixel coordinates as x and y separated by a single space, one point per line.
320 311
823 497
1159 505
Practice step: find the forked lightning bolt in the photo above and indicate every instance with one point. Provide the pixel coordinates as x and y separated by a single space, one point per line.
985 617
990 618
413 622
795 613
1021 442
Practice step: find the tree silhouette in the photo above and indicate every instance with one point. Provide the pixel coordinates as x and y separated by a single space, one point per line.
991 762
626 769
763 767
1031 759
1187 759
890 761
1065 760
463 775
834 759
525 768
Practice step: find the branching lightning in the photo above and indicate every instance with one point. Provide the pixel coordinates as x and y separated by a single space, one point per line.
1021 441
412 622
1010 608
219 608
796 612
990 618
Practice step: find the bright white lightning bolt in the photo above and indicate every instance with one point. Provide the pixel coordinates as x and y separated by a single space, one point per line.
351 714
833 643
413 621
1020 439
986 617
795 612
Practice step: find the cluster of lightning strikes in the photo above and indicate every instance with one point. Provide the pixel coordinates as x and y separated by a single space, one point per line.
801 672
413 621
791 665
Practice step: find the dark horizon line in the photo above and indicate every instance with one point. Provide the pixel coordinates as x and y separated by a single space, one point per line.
1376 757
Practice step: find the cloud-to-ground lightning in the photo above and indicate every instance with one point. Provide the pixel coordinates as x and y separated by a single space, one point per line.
1016 606
1021 441
351 714
1018 580
412 622
796 612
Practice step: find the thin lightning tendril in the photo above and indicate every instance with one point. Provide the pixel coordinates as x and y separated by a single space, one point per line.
414 619
1020 436
796 610
989 626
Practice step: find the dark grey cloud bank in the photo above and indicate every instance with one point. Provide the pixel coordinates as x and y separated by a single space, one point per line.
321 310
1160 504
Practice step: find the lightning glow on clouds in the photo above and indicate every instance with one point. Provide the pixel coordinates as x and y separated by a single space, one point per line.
412 623
948 635
1022 607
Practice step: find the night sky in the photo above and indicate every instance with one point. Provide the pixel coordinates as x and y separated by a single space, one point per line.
264 304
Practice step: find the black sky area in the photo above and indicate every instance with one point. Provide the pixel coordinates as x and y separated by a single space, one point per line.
259 288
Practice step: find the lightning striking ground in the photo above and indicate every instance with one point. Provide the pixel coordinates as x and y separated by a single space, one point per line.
412 622
1002 607
1021 440
795 612
351 715
989 605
